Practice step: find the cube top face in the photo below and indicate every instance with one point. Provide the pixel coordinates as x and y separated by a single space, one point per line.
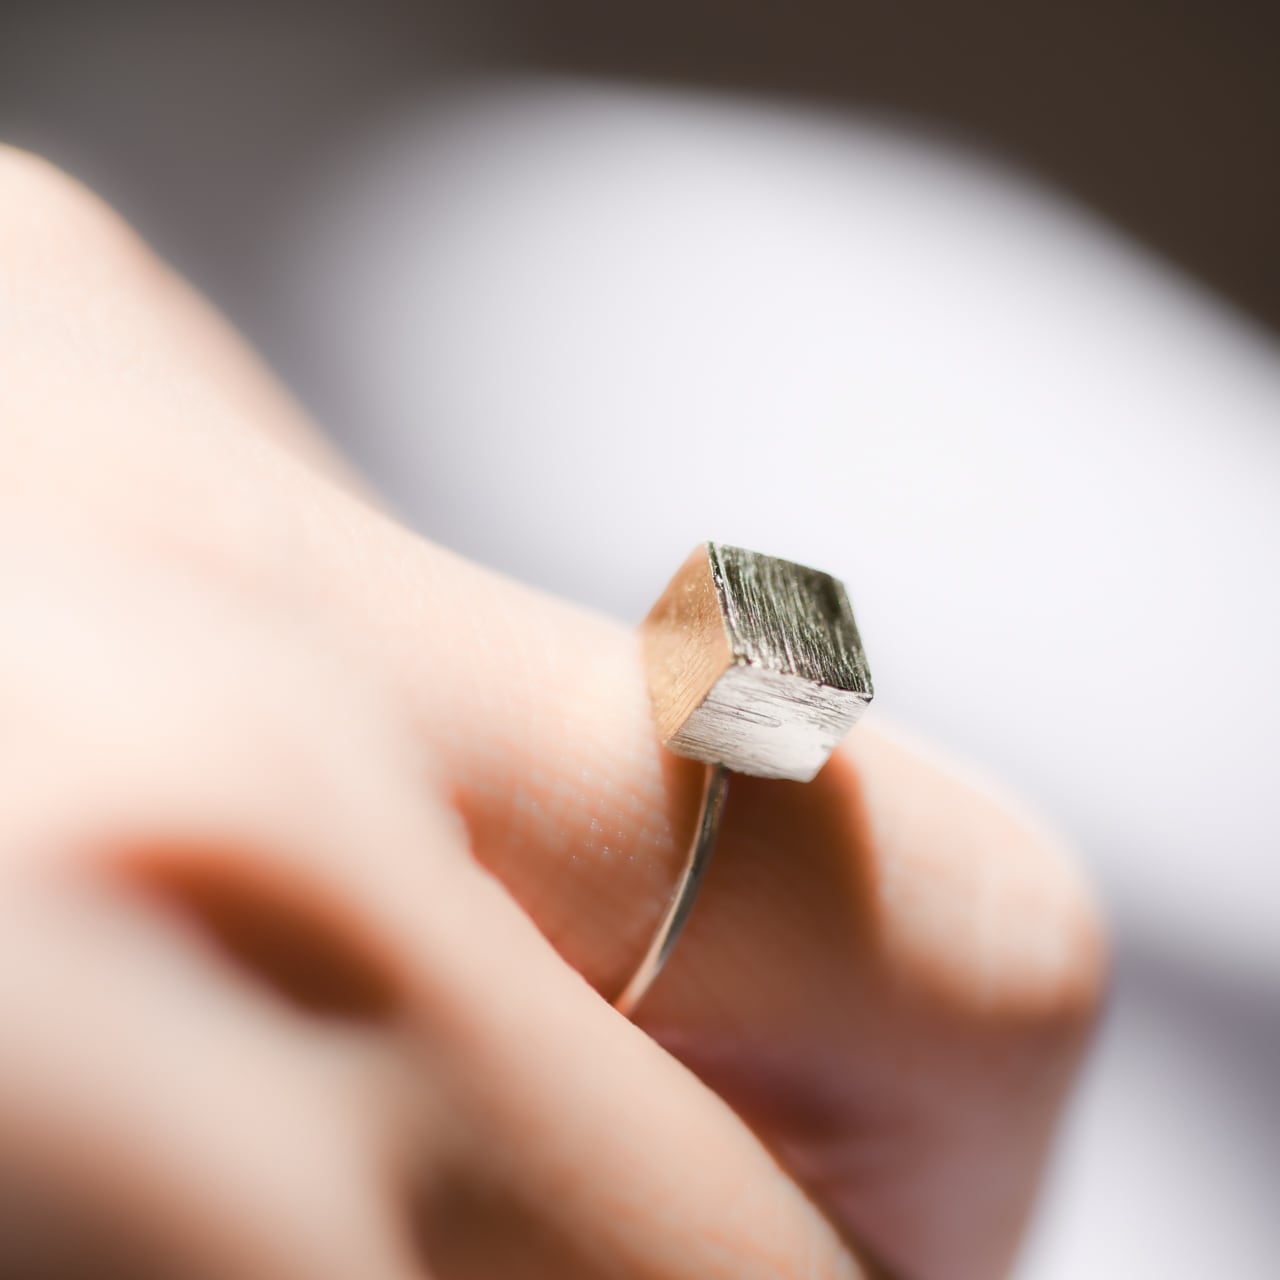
788 618
755 663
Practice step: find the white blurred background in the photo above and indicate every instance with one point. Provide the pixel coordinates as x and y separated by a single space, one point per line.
575 323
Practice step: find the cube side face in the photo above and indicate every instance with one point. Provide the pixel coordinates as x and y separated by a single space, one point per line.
686 646
768 723
788 618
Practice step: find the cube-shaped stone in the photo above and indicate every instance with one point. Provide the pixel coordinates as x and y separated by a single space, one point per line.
754 663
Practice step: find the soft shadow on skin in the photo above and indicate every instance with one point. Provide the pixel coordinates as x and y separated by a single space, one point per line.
782 972
275 929
49 1233
782 948
468 1229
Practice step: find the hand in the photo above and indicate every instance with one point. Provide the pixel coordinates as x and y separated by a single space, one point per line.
319 845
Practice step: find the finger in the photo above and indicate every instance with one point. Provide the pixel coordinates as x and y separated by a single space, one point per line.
216 1138
596 1153
353 1105
213 1104
145 1092
99 331
889 972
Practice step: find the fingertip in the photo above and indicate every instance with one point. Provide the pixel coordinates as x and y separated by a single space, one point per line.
985 882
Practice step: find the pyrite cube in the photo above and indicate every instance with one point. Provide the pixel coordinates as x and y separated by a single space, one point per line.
754 663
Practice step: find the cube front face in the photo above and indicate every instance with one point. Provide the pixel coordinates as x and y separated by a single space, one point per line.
754 663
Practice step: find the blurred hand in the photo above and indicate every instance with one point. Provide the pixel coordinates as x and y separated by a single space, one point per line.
320 847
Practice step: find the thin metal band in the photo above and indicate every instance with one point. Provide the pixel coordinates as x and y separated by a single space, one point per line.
714 790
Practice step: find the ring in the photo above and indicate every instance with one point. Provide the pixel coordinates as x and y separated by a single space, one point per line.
754 666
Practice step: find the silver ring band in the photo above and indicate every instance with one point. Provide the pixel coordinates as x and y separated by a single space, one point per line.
754 665
715 787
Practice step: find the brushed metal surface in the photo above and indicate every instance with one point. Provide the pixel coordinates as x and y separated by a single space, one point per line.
754 663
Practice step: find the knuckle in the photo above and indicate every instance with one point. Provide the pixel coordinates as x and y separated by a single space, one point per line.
25 176
269 804
55 231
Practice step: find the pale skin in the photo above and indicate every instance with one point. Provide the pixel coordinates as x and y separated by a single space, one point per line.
320 847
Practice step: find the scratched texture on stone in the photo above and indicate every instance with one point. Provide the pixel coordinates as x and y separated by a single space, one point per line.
755 663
